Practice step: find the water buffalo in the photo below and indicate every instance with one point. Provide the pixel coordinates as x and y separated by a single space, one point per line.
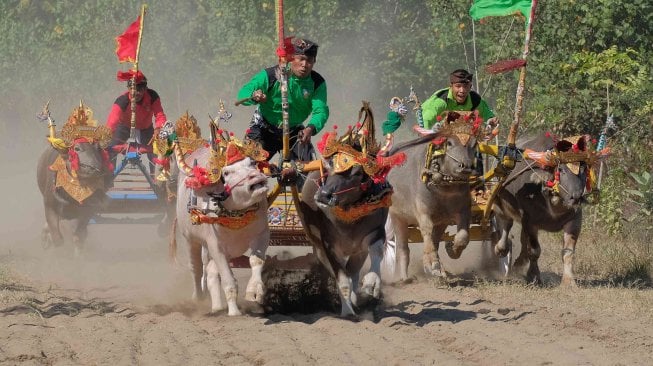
435 196
223 209
71 174
545 195
344 216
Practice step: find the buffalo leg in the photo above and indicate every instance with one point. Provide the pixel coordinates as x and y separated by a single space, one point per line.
372 280
255 290
52 220
353 267
228 281
571 232
345 291
430 256
461 239
213 287
197 269
403 252
389 250
531 244
503 246
80 234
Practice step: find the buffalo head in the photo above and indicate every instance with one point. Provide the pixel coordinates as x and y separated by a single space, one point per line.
244 183
568 163
344 188
86 160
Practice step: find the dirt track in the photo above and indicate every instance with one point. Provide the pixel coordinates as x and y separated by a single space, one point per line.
124 304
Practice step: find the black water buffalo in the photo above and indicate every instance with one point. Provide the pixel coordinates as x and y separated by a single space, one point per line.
71 179
344 213
544 196
434 195
341 245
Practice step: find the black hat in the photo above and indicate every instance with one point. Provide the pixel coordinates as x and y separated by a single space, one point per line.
460 76
305 47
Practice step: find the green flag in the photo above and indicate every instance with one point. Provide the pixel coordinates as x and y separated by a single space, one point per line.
497 8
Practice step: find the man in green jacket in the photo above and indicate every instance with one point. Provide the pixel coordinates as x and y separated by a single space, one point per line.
457 97
307 95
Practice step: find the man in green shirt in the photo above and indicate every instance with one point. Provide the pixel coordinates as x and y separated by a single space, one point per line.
459 96
307 95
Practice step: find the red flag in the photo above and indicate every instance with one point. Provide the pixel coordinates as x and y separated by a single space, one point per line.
127 42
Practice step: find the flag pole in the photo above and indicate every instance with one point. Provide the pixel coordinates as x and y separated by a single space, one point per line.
283 80
132 88
519 100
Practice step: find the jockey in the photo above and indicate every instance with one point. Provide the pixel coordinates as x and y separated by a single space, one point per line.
307 95
148 106
457 97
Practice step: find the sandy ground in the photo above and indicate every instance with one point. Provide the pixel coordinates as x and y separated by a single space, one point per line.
124 304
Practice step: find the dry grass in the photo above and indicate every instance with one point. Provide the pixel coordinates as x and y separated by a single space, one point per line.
602 260
596 299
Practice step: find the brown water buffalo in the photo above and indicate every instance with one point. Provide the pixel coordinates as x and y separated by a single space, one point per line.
70 175
434 196
222 209
344 216
545 196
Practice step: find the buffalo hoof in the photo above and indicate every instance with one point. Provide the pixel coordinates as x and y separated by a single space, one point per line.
435 270
454 251
234 312
404 281
533 276
255 293
371 285
568 282
501 252
46 239
351 317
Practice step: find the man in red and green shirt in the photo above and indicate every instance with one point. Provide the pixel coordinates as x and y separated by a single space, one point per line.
307 96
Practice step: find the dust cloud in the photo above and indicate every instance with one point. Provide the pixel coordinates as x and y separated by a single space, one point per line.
130 261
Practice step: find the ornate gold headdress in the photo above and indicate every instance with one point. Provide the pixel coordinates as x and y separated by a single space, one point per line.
358 146
80 124
462 124
228 150
225 150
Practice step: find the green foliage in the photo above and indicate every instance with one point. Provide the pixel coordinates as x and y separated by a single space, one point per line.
642 198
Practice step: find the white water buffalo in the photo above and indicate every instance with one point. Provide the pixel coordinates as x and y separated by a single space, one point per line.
434 196
70 176
223 209
344 216
545 196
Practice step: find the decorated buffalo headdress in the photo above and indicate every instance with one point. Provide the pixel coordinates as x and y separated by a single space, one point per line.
225 150
570 151
358 146
185 132
80 125
463 125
